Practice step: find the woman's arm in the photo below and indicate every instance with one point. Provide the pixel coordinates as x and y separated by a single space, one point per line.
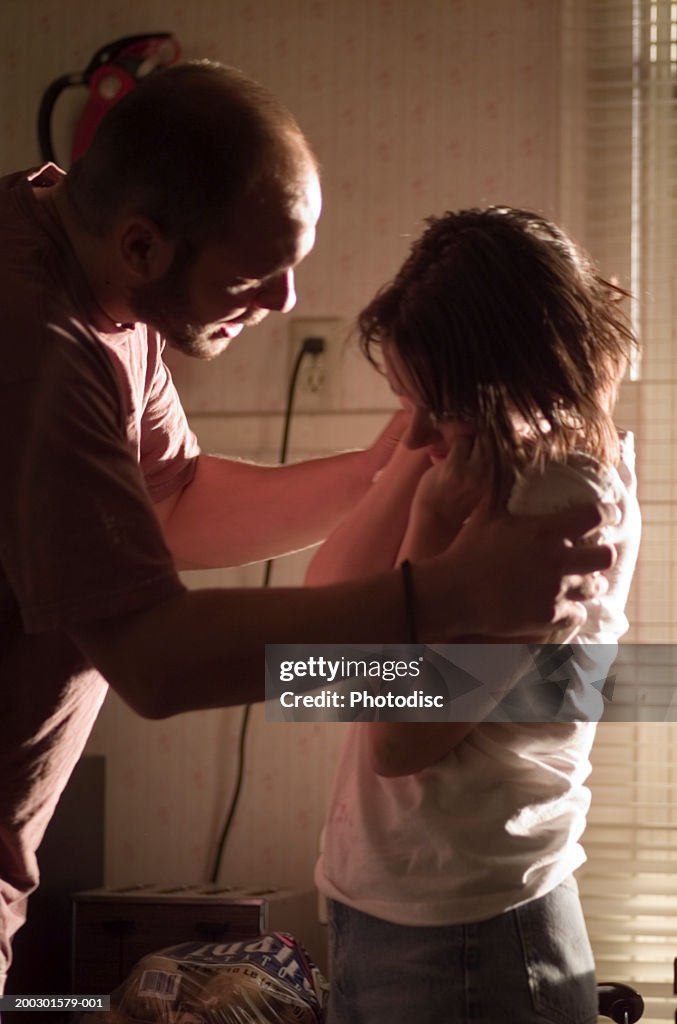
368 538
405 748
444 499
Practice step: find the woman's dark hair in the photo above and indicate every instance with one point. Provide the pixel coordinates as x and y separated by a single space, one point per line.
495 312
183 148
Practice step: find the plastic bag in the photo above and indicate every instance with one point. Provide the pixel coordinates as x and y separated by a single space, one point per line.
269 979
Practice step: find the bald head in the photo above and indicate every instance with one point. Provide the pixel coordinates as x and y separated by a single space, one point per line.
183 149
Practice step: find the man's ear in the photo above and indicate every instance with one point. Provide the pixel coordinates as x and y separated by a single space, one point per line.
146 252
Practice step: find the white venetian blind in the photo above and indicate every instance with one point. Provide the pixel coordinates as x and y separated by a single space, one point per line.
619 181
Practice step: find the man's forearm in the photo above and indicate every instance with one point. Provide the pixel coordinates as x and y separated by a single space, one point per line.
237 512
203 649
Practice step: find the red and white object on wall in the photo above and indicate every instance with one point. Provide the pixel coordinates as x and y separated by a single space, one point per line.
112 72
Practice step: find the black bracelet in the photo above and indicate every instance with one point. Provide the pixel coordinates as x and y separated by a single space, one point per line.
409 600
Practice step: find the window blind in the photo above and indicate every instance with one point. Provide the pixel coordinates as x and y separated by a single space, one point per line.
619 192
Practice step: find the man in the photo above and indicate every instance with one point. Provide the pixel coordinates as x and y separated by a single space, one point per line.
184 222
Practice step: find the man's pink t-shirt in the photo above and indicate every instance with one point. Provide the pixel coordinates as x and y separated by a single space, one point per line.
94 434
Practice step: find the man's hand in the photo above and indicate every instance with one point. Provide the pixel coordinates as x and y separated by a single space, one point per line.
524 571
383 448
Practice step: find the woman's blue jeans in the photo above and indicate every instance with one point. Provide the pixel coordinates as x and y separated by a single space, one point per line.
530 965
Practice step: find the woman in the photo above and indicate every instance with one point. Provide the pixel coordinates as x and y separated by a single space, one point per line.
450 847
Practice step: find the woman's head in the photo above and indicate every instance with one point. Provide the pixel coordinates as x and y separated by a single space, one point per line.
498 323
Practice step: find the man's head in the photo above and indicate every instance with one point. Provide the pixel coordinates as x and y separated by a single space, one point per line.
498 323
206 191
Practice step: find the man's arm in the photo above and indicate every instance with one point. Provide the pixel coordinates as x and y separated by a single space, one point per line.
205 648
248 512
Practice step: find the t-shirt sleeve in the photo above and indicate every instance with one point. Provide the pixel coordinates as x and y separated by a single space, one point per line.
168 447
78 536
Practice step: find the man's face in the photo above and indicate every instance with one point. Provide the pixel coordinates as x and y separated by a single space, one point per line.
205 299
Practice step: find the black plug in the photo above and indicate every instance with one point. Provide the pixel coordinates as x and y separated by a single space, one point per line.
313 346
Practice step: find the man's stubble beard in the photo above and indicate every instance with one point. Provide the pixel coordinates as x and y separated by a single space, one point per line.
165 306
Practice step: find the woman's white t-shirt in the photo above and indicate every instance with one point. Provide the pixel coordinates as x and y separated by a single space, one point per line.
498 821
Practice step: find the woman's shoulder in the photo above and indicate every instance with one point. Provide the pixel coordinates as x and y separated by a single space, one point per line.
581 478
559 485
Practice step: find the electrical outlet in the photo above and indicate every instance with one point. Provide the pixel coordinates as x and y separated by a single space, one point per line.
319 385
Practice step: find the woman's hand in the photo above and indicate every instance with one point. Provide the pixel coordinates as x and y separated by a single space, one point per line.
446 495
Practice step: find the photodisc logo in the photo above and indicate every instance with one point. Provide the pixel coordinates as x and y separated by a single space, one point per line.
442 682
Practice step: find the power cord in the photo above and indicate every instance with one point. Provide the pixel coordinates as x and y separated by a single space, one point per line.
312 347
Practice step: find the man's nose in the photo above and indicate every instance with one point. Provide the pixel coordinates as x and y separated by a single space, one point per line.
278 294
420 431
